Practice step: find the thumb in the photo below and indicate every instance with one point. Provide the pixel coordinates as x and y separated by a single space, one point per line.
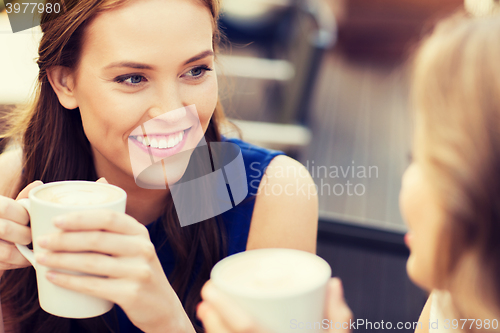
102 180
24 193
337 310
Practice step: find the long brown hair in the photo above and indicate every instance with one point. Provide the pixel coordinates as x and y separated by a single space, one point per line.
456 91
55 148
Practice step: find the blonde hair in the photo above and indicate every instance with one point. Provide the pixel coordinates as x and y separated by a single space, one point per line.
456 92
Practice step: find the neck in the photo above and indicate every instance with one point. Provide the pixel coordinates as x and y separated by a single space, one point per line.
471 288
142 204
145 205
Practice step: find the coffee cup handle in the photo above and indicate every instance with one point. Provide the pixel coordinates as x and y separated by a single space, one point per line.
27 253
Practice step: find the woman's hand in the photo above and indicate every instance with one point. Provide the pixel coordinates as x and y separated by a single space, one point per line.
14 229
220 315
117 248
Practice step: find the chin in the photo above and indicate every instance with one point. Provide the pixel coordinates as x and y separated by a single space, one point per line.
418 274
160 175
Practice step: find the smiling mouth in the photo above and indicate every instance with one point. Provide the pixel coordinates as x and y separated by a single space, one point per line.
159 141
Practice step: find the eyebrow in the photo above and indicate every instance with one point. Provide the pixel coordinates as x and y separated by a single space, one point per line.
128 64
136 65
199 56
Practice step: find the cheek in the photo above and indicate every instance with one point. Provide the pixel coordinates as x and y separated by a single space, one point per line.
205 100
423 238
106 113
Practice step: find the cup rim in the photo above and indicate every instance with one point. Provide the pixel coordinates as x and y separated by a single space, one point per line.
327 272
34 191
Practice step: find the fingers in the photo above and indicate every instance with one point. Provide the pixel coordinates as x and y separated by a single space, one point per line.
227 313
13 229
10 257
98 241
105 220
97 264
94 286
24 193
14 233
211 319
337 310
13 211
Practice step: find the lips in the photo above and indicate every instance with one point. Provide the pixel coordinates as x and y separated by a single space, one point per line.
407 239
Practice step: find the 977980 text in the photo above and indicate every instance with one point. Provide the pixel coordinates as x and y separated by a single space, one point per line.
32 7
465 324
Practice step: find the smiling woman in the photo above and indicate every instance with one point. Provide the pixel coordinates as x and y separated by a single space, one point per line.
107 68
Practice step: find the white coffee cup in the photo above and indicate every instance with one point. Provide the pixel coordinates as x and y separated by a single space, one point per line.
282 289
43 204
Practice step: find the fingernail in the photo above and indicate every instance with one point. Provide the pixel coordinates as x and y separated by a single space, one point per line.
51 275
59 221
43 241
41 257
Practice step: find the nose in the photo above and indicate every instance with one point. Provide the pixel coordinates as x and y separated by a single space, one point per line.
174 116
169 106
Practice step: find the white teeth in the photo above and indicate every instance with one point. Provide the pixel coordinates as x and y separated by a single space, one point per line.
171 142
162 144
154 143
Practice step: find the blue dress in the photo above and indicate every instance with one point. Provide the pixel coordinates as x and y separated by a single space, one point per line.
236 220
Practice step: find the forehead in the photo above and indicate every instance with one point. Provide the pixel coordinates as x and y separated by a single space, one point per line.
149 31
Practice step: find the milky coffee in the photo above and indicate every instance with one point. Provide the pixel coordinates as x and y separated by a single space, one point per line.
79 194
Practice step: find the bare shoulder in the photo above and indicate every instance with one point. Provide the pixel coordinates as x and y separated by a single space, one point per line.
286 208
11 168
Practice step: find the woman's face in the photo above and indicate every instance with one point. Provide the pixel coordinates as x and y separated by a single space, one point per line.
419 206
138 62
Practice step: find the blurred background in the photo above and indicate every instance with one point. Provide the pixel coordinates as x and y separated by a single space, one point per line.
327 82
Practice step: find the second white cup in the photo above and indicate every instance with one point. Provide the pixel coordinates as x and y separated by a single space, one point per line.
283 289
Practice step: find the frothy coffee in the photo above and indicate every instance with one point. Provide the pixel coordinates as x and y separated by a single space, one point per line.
79 194
270 274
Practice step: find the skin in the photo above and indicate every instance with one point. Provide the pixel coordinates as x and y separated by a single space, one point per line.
419 207
111 109
423 217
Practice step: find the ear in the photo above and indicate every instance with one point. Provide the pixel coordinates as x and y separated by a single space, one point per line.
62 81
